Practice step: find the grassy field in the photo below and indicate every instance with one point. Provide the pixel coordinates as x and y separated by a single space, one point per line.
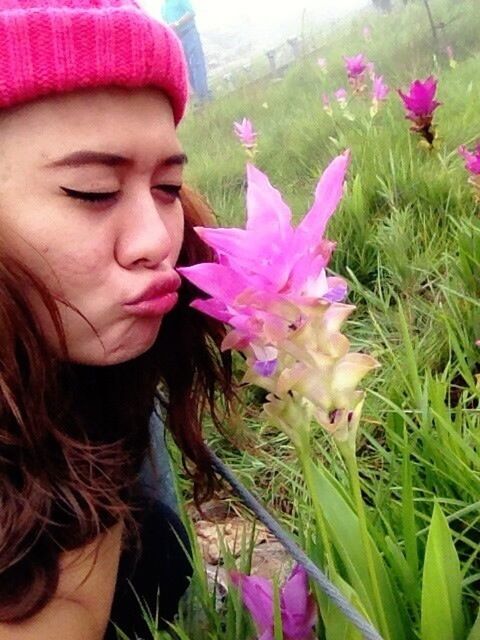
408 234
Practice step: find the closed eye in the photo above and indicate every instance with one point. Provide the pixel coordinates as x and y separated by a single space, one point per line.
172 190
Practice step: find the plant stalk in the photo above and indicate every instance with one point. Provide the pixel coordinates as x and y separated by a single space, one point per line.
350 458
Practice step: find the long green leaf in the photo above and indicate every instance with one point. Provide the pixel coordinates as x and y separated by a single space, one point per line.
442 615
475 630
345 535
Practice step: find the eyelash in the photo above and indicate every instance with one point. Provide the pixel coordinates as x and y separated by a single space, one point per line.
86 196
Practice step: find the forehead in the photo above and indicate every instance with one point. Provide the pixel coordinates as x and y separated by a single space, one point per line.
135 122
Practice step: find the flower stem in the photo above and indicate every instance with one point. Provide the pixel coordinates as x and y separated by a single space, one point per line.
350 458
306 463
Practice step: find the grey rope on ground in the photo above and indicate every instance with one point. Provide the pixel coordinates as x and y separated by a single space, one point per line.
335 595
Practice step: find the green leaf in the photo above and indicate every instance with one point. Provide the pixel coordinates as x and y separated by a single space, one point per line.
475 630
442 615
337 627
344 533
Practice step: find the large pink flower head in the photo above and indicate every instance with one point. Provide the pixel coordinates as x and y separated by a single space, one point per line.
472 159
420 101
356 66
297 606
265 271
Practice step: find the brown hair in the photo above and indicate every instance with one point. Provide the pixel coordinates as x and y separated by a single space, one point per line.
72 437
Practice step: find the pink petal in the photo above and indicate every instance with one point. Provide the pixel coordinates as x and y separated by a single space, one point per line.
265 206
215 279
257 596
294 592
251 253
328 194
212 307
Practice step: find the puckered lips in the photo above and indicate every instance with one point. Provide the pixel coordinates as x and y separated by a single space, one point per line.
157 299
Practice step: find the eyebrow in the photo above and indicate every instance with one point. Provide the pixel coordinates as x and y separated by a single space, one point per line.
85 157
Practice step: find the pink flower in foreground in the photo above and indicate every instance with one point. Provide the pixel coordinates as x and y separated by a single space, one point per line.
472 159
356 65
297 606
420 104
245 132
269 268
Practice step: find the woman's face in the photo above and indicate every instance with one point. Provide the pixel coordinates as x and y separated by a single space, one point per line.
97 255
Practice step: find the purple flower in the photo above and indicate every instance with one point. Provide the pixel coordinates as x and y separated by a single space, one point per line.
420 101
245 133
420 104
379 89
297 606
356 66
472 159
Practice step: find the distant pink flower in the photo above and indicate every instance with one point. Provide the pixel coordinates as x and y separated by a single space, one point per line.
420 101
380 90
420 104
245 133
356 65
472 159
266 269
326 104
322 63
297 606
341 94
371 70
367 34
449 52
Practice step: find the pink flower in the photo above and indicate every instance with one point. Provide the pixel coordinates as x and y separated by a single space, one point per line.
380 90
356 66
472 159
245 132
420 101
341 95
265 270
322 63
367 34
449 52
297 606
326 104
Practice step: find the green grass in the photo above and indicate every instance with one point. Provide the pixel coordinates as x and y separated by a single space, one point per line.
408 234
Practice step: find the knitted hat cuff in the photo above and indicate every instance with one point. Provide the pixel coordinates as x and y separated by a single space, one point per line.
53 50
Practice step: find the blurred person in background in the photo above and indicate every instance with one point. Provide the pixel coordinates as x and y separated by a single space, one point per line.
179 15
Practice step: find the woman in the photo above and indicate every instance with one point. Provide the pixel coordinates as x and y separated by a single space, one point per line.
93 316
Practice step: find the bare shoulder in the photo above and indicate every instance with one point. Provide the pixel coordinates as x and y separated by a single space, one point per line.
80 609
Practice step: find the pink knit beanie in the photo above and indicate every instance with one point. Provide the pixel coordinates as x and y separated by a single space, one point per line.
54 46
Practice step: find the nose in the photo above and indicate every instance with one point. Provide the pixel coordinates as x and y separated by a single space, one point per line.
144 239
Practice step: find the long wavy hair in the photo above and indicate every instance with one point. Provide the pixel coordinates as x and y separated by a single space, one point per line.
72 437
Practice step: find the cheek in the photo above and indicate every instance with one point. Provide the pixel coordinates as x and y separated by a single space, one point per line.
70 266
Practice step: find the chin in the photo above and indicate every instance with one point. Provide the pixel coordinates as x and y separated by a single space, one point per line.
115 355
